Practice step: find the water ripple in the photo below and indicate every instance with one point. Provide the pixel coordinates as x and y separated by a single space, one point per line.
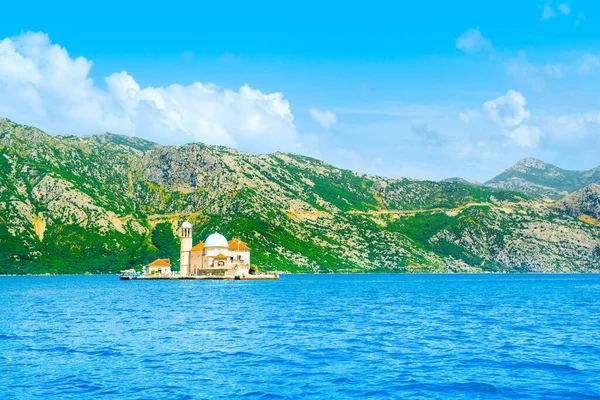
342 336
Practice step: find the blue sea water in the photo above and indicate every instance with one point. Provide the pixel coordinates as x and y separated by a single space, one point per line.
304 336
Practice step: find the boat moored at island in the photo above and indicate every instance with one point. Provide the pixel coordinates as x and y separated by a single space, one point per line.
128 274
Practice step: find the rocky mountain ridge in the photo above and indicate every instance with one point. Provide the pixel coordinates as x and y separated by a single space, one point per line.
106 202
538 178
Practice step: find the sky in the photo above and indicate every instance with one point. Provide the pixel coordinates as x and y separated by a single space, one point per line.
425 90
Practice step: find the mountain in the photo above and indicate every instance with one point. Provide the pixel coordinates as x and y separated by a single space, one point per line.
460 180
535 177
583 204
71 204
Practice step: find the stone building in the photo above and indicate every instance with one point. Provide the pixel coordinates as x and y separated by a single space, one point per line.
214 257
161 266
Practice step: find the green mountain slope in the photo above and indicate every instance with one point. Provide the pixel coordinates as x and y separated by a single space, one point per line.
535 177
106 202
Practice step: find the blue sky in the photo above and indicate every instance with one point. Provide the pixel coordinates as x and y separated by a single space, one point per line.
425 90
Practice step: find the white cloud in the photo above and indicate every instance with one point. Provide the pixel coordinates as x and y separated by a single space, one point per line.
325 118
588 63
508 109
525 73
525 135
547 12
464 117
472 41
535 75
41 85
551 8
468 116
556 70
520 66
564 8
572 128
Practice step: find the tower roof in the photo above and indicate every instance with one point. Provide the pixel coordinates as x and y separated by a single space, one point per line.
216 240
186 225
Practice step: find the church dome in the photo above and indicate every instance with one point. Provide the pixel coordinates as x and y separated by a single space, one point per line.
216 240
186 225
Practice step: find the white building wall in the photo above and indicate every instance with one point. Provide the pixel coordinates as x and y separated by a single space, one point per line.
157 270
213 251
244 256
195 261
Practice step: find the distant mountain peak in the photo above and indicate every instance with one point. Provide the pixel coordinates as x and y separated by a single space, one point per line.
536 177
129 141
460 180
531 163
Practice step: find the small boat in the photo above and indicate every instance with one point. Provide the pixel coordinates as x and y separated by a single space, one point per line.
129 274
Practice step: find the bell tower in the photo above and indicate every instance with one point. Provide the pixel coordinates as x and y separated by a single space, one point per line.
185 233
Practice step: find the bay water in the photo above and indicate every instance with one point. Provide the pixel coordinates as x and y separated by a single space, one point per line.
304 336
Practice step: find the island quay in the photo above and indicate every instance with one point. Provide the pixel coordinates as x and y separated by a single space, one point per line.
215 258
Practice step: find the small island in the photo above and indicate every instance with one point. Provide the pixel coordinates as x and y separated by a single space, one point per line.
215 258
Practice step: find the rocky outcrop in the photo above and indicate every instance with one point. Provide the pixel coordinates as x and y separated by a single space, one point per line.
585 201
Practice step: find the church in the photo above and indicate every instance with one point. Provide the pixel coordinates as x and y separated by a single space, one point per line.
214 257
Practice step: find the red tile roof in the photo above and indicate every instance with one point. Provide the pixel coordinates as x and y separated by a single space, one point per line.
198 247
160 262
235 244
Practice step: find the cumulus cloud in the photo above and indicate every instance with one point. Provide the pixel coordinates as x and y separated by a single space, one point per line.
525 135
42 85
472 41
508 109
325 118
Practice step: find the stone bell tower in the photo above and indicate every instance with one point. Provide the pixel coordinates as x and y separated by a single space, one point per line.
185 233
